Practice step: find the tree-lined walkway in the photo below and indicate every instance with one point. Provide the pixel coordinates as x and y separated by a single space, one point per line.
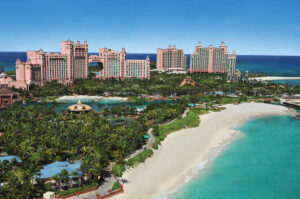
152 138
147 145
185 112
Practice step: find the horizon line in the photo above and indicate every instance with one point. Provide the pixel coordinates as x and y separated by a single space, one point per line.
156 53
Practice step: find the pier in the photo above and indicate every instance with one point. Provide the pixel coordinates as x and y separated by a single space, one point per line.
292 104
291 101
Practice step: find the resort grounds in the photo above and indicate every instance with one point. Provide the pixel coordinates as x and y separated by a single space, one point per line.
184 151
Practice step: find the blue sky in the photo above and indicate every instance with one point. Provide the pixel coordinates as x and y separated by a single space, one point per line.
250 27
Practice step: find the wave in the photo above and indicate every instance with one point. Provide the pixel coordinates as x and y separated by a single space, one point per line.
212 155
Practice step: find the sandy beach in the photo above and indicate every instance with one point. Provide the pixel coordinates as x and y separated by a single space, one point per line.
96 97
182 152
274 78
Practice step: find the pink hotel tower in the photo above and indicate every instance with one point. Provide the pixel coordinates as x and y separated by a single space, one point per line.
170 59
212 60
72 63
115 65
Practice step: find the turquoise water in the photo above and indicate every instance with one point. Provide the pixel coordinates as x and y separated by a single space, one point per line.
293 82
98 106
264 163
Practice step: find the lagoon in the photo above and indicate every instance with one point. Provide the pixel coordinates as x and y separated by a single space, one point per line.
97 105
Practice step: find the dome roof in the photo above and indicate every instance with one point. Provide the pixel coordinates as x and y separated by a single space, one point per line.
3 75
79 107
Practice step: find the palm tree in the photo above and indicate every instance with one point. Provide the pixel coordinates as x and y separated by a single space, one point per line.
64 176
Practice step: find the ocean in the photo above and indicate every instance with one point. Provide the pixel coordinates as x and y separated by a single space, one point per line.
263 163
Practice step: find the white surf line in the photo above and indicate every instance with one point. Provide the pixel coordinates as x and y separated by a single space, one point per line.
275 78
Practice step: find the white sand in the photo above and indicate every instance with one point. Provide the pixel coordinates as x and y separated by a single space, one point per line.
96 97
275 78
182 151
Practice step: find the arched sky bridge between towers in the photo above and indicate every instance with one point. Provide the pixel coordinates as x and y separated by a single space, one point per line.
96 62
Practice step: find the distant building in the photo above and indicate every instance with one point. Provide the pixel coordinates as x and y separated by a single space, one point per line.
72 63
245 76
5 80
74 177
234 77
237 76
113 64
7 97
212 60
40 67
171 60
176 71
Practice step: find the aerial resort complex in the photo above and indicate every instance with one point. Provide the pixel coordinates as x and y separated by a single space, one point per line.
73 61
147 101
72 124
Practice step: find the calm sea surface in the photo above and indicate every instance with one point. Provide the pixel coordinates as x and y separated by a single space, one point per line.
263 163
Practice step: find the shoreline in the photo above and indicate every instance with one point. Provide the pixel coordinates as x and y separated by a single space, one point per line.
187 151
269 78
88 97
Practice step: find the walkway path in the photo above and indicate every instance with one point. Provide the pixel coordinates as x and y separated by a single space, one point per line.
103 189
148 145
185 112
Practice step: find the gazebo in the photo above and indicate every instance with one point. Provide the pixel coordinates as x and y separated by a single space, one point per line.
79 108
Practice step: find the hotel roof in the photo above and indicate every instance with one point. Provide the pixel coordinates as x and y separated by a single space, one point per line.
5 91
10 158
79 107
55 168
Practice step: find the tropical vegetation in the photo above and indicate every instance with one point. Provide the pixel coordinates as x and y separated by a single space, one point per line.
160 84
38 135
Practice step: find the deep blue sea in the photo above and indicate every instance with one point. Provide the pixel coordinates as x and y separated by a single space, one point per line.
263 163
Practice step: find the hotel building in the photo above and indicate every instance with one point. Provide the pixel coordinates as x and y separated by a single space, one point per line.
115 65
40 67
170 60
212 60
